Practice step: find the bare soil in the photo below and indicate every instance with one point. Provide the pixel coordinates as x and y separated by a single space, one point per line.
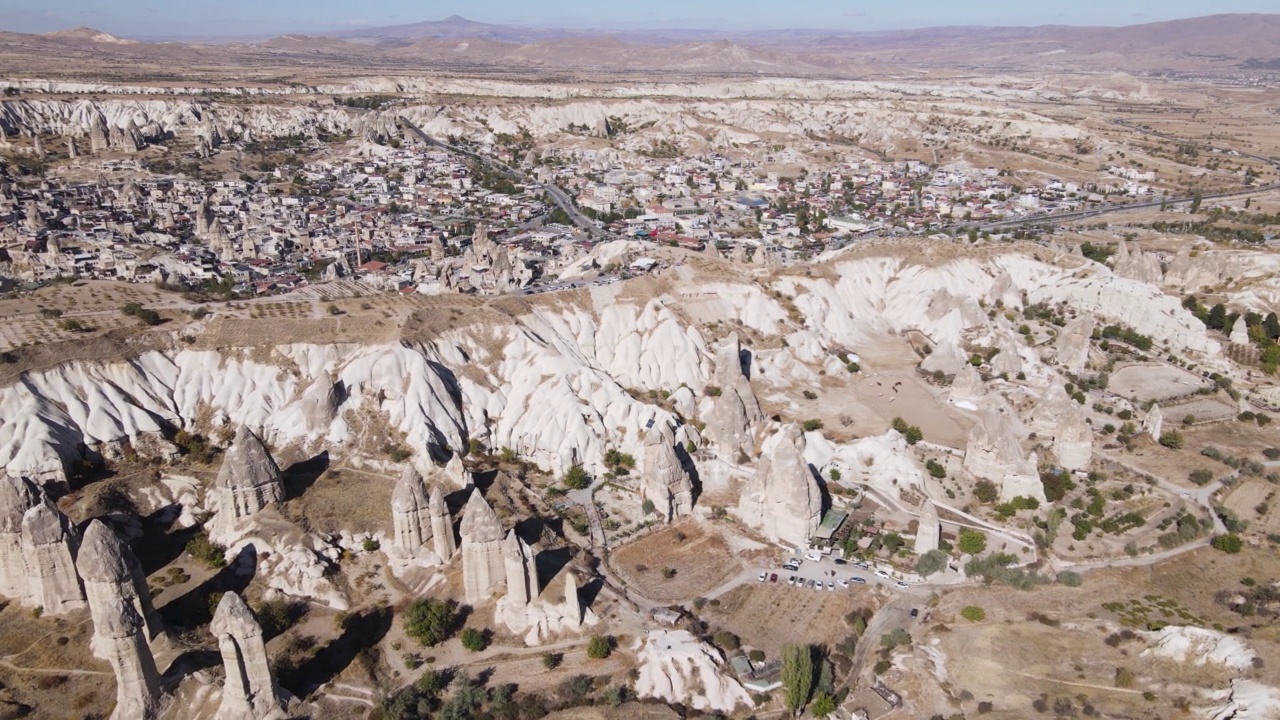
697 552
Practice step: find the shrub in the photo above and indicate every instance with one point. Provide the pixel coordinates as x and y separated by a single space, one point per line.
823 705
1261 419
473 640
931 562
810 395
1070 579
935 468
811 425
370 545
1124 677
972 542
647 507
599 647
575 478
756 656
853 367
207 551
834 474
334 309
726 640
1201 477
986 491
1229 543
430 621
973 613
713 391
551 661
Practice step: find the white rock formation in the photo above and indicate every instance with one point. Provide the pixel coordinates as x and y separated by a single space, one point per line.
663 480
1199 646
521 571
967 389
1072 343
993 445
946 357
250 693
572 602
1053 403
928 528
111 573
1022 479
410 515
676 667
1073 439
248 481
782 500
17 496
441 526
483 567
49 545
1240 332
1007 361
120 638
320 404
735 416
1137 265
1153 423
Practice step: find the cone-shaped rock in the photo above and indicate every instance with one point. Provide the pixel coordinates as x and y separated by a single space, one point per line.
249 692
49 545
735 415
928 528
441 526
664 481
782 500
410 513
111 572
17 496
483 570
522 574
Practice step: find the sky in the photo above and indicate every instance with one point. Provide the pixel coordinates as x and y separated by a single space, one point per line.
160 18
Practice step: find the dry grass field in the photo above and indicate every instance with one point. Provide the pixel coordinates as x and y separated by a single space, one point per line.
698 553
768 616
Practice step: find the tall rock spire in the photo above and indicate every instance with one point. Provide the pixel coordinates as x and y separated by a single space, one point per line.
248 481
111 572
664 481
782 499
483 570
441 526
410 513
250 693
17 496
521 572
120 636
49 544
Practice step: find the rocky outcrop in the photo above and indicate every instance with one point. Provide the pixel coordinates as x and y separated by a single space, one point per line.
111 573
1137 265
248 481
993 445
1022 479
249 693
1239 332
1153 423
735 415
1043 418
441 526
17 496
928 528
1073 439
49 545
1072 344
320 404
120 637
521 571
483 568
410 513
945 358
967 389
782 500
1007 361
664 481
573 603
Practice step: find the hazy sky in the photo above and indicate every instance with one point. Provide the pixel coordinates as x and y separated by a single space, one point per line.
240 17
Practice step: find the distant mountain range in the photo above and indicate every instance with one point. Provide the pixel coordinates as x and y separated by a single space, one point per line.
1217 43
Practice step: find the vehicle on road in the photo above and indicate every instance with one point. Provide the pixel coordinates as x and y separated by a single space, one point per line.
862 565
763 576
858 580
844 583
813 555
810 584
840 561
900 585
882 574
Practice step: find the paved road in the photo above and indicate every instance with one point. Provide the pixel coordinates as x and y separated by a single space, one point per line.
557 195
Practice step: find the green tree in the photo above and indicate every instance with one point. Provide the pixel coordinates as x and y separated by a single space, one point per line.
1229 543
551 661
972 542
986 491
473 639
931 562
1217 317
935 468
575 478
431 621
599 647
797 676
1171 439
823 705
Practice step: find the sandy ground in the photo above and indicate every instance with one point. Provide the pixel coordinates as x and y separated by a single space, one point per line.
1143 383
767 616
699 554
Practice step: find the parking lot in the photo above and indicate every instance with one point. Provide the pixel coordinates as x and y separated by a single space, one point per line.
829 570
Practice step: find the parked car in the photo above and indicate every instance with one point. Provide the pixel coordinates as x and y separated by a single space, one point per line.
915 612
901 585
840 561
763 576
773 577
858 580
882 574
813 555
791 580
831 586
844 583
810 584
